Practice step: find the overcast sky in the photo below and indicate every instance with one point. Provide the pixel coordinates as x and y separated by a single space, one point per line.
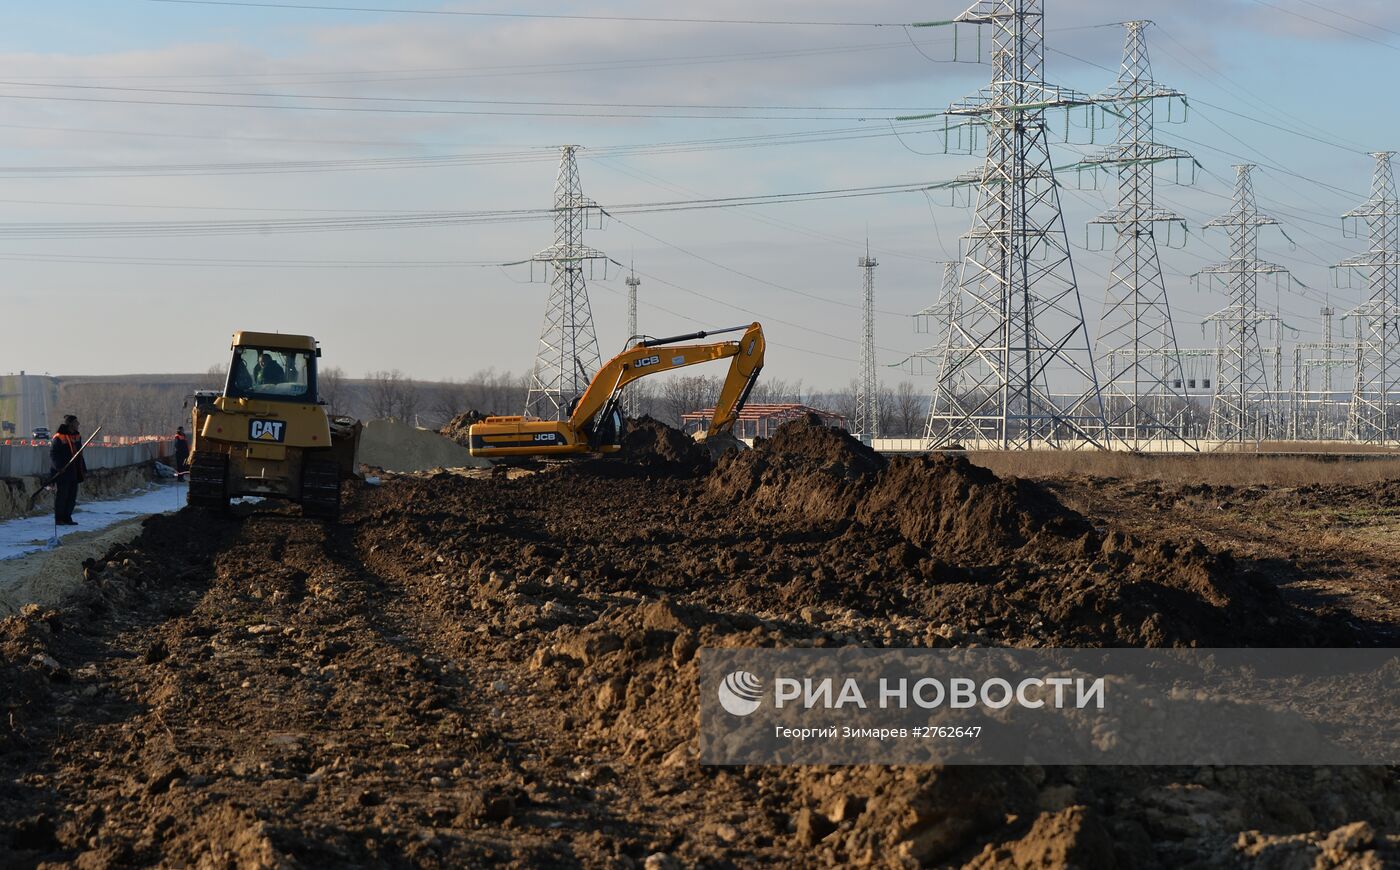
208 119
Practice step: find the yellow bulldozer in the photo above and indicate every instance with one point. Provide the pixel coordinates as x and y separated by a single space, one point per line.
267 433
595 424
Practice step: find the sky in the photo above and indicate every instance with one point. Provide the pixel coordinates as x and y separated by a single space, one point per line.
173 171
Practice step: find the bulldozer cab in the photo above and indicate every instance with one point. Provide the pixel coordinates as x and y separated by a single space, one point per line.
273 367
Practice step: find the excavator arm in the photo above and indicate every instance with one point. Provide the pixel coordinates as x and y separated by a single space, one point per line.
590 425
653 356
743 374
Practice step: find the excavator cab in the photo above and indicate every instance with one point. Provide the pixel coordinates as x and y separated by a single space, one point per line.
595 423
267 433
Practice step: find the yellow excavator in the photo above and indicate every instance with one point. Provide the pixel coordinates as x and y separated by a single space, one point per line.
595 424
267 433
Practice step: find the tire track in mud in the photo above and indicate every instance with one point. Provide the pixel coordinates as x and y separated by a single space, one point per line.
287 707
473 671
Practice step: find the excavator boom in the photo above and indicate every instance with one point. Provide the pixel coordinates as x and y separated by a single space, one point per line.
593 425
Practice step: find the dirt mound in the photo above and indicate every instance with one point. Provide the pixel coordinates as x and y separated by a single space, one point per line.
940 504
653 446
939 534
947 505
459 427
395 446
807 437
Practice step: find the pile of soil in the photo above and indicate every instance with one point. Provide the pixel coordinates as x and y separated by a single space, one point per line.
808 438
502 669
459 427
393 445
653 446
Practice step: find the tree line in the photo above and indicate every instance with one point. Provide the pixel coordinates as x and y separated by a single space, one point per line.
129 406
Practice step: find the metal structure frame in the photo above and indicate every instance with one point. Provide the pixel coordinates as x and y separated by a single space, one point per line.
867 421
568 350
937 319
1373 417
1137 350
1242 406
1022 316
1320 412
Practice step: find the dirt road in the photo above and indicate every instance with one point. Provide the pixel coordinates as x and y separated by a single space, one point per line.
491 668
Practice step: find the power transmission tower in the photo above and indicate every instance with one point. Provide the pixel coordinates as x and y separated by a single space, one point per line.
1242 406
568 351
1022 317
1317 412
630 403
937 319
1138 355
868 388
1329 345
1373 417
937 316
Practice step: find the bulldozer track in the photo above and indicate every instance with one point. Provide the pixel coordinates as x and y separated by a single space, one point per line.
209 481
320 489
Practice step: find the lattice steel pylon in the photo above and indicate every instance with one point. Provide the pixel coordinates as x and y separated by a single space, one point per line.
631 404
1022 316
1242 406
1137 352
1373 416
1317 412
568 351
867 420
938 319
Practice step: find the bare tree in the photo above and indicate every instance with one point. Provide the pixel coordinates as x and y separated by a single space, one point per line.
682 394
768 391
909 408
384 392
408 401
215 377
889 417
330 383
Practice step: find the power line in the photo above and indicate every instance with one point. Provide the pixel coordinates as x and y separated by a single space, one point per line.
356 98
1334 11
742 274
410 74
224 263
1250 96
1237 114
752 312
616 165
1325 24
647 302
650 19
683 146
113 229
438 111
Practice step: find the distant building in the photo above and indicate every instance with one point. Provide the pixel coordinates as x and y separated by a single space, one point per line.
760 421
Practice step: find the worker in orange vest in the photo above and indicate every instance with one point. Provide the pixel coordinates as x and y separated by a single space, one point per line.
182 449
68 474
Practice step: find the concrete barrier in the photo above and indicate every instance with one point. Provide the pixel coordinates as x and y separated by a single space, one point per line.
27 460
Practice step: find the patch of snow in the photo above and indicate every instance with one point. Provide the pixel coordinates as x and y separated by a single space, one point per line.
31 534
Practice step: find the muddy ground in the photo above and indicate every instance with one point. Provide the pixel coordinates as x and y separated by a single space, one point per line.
498 667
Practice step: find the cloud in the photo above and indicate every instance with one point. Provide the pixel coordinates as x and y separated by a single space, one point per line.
569 62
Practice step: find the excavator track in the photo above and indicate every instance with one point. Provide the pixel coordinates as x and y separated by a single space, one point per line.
320 489
209 481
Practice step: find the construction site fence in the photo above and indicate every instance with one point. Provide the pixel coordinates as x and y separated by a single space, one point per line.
30 458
